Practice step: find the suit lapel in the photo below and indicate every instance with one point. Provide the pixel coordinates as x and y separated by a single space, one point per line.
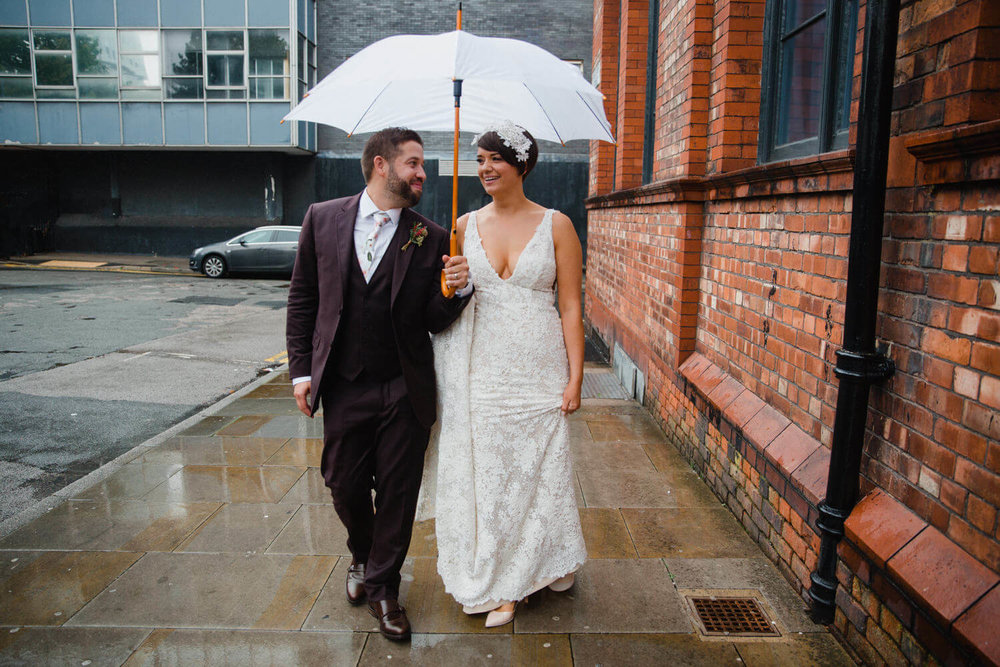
401 259
345 238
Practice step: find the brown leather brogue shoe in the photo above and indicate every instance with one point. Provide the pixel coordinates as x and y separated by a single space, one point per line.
392 621
356 583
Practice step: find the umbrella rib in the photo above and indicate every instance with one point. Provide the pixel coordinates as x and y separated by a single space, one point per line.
362 116
594 114
551 124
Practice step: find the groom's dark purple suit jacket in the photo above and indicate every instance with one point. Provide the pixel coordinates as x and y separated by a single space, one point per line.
417 307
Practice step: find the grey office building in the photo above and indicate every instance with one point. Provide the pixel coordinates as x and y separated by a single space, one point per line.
153 126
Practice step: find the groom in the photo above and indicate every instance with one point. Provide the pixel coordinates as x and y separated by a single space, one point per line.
364 294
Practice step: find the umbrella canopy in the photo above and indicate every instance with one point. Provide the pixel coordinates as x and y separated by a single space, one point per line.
406 80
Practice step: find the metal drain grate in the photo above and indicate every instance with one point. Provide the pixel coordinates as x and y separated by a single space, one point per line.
742 617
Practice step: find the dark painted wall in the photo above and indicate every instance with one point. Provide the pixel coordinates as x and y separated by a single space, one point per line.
554 184
168 203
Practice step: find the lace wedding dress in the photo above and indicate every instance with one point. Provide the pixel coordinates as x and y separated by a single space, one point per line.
506 517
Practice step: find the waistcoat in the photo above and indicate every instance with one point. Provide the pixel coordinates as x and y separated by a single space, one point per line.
365 343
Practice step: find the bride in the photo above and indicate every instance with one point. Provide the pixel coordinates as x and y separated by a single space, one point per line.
510 370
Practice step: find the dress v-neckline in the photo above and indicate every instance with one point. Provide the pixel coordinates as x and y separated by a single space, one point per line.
519 255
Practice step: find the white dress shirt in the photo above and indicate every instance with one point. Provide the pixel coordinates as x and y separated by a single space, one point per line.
363 226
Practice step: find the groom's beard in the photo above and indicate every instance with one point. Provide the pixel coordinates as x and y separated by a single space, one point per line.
401 188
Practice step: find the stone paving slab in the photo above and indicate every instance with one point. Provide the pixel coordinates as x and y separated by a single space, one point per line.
221 545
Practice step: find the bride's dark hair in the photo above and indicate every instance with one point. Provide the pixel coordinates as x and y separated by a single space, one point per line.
493 142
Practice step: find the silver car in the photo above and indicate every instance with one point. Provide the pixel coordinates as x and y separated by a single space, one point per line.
265 249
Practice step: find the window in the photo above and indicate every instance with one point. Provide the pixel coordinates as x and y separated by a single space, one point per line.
224 66
306 66
256 236
287 236
652 67
183 77
53 64
97 64
15 65
268 64
806 83
140 64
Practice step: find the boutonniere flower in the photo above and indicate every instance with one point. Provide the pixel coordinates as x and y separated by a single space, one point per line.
418 232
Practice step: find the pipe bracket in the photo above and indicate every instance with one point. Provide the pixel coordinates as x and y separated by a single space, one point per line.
869 367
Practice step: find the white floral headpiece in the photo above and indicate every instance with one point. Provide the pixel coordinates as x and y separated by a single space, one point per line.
512 135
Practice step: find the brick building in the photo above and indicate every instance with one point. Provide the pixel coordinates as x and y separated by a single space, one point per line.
719 230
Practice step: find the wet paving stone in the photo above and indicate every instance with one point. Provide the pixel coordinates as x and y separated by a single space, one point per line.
627 650
104 525
460 649
606 534
609 596
247 647
215 450
641 488
297 426
240 528
298 452
49 587
69 646
209 425
310 489
166 590
688 533
245 425
314 529
132 480
228 484
609 456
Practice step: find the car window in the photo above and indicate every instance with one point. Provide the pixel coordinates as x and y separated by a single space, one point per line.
256 236
287 236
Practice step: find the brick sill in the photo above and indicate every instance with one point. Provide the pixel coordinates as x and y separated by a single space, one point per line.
955 142
959 593
793 462
801 175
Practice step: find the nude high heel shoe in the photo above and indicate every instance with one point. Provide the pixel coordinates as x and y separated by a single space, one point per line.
563 583
498 617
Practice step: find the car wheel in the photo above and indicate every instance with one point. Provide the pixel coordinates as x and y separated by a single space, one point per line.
214 266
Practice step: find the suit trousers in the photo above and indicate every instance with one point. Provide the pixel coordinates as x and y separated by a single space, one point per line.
372 440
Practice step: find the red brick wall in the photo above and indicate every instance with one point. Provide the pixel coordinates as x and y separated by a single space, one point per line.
746 264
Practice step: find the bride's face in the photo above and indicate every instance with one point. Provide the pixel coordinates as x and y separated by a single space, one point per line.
495 173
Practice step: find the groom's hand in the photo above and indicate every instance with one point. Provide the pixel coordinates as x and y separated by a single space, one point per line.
456 271
301 393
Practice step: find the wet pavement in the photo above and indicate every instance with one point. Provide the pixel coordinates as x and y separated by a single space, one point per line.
220 545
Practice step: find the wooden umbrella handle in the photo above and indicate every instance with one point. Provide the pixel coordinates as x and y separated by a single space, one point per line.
449 292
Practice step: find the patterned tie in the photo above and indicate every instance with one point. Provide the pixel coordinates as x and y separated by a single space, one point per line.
368 252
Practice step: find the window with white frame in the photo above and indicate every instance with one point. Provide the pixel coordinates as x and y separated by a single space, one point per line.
269 67
224 64
53 63
140 64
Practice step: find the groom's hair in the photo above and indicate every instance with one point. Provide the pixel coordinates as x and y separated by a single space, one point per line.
385 143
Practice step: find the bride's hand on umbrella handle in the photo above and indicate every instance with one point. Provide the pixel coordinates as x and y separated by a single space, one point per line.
455 275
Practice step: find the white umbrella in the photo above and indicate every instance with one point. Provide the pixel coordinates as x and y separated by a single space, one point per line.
407 80
411 80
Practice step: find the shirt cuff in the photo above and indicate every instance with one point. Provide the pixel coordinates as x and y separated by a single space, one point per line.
304 378
465 291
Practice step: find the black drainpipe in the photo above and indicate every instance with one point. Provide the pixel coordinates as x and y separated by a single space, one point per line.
859 363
